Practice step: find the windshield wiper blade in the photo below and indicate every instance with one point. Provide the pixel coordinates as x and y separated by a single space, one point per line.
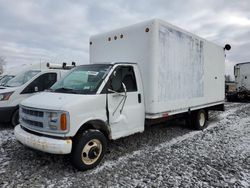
66 90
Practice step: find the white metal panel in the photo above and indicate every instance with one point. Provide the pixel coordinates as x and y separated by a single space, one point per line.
181 63
179 70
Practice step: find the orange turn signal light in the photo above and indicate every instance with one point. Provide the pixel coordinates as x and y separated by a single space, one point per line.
63 121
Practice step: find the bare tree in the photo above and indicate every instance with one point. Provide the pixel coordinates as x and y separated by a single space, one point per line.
2 63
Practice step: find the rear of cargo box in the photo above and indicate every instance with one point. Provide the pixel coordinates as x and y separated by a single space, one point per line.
180 71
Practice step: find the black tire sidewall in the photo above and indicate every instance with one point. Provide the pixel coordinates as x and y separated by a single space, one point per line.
78 144
15 118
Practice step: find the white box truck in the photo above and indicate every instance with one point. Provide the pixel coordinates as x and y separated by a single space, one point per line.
240 89
242 80
150 71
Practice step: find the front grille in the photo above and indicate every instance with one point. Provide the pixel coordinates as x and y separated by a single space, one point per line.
32 112
33 123
39 119
32 118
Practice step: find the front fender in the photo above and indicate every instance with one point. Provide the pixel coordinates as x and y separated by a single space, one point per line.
97 124
88 109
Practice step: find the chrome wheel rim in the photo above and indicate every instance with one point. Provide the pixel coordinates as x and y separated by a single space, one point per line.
91 151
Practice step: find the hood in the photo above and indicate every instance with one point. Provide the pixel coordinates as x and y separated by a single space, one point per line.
7 89
54 101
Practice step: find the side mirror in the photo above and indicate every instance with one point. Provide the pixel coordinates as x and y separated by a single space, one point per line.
36 89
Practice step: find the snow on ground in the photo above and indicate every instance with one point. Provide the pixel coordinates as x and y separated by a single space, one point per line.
166 155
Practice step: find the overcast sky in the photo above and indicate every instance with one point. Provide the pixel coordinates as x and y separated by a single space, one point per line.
58 30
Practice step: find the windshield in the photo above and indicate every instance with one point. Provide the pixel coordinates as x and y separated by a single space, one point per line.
84 79
22 78
5 79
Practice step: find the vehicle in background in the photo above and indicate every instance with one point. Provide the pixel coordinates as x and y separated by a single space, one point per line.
242 80
146 73
13 71
24 85
8 75
242 83
5 78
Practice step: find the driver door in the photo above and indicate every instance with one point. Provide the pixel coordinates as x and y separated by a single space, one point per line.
125 104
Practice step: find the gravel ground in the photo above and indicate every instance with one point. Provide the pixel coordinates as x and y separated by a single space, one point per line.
166 155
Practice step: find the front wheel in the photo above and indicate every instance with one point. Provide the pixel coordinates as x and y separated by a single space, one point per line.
88 149
199 119
15 118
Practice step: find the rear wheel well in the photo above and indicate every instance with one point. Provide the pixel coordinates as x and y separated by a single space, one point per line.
193 112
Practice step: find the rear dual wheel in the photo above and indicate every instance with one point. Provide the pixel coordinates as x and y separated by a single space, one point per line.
199 119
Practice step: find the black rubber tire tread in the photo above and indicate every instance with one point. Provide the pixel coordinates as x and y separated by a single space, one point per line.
78 144
15 118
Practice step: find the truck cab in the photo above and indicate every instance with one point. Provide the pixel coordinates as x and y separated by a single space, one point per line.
102 101
22 86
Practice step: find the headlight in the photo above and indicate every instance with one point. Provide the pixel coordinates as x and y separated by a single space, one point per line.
58 121
53 120
53 117
5 96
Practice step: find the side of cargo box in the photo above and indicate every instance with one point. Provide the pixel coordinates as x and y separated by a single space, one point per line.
180 71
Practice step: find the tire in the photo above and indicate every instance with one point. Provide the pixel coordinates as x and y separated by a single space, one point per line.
88 150
199 119
15 118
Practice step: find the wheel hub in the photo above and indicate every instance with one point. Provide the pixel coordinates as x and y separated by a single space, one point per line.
91 151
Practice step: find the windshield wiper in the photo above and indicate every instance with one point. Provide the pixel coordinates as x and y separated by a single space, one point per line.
7 86
65 90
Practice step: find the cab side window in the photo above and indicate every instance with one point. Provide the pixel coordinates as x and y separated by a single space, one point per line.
44 81
124 75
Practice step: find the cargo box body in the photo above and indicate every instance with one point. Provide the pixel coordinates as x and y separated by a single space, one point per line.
180 71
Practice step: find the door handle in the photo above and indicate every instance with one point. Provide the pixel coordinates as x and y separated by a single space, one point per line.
139 98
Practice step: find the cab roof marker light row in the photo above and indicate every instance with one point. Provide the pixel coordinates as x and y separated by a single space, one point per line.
109 38
61 66
121 36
